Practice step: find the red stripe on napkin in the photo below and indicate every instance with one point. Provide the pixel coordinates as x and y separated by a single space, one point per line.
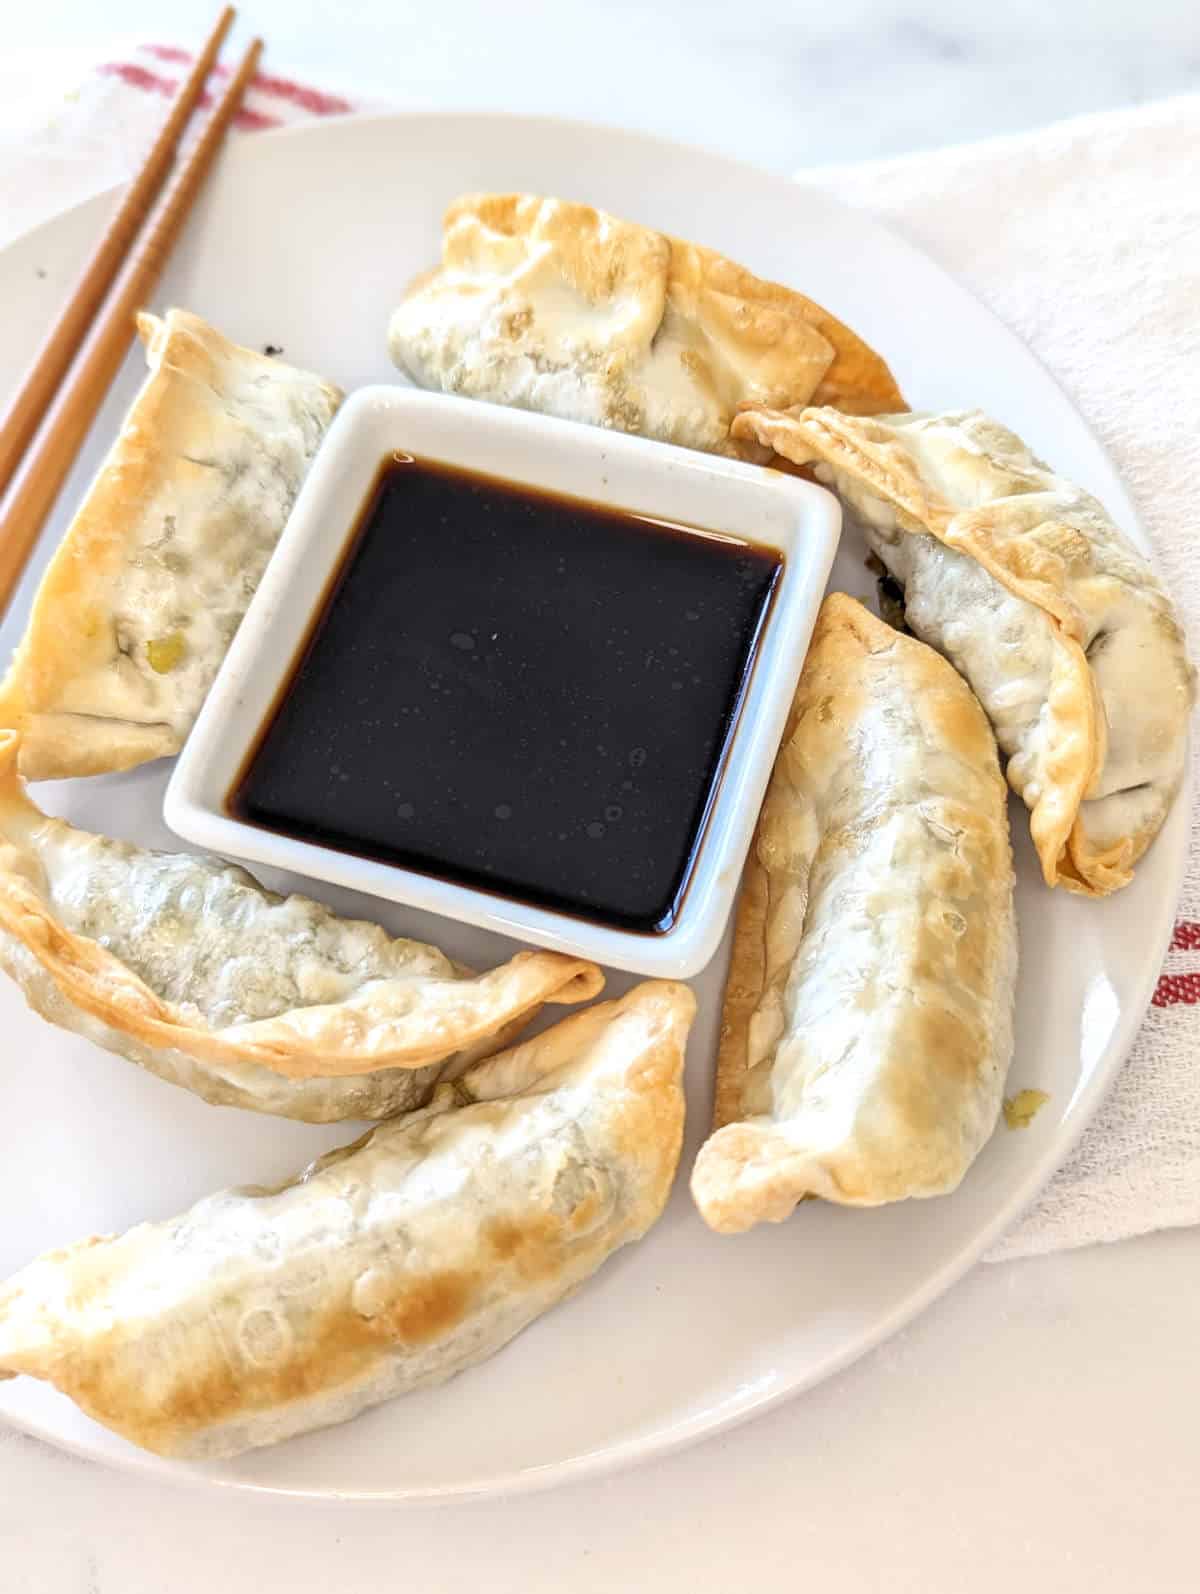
1172 989
315 101
139 77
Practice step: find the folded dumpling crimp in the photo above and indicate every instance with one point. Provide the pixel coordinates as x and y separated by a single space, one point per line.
558 307
385 1267
187 966
144 594
1026 584
867 1025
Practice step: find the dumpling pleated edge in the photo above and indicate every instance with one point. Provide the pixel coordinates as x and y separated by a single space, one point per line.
1066 855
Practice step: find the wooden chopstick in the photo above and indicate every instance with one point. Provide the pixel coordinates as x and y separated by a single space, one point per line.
32 399
46 466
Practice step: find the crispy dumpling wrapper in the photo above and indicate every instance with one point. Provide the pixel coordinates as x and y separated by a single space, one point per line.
139 604
387 1266
188 966
561 308
1025 583
867 1025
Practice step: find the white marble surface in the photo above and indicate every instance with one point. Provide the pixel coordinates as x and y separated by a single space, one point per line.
1037 1428
781 82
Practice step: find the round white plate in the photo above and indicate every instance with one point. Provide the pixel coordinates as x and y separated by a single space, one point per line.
305 240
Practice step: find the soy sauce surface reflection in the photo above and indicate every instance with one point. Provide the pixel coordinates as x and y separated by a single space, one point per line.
516 691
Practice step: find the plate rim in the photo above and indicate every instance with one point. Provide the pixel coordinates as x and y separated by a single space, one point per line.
1085 1103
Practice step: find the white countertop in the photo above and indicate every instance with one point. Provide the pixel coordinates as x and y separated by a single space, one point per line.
1037 1428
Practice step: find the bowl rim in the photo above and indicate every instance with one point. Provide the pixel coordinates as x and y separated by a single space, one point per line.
799 518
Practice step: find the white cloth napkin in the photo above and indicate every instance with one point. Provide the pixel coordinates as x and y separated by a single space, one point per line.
72 126
1085 239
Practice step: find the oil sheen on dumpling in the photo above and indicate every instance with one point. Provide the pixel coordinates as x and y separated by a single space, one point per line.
187 966
1025 583
386 1267
139 604
558 307
867 1024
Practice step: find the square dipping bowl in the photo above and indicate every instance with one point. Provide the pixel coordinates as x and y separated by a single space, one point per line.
608 471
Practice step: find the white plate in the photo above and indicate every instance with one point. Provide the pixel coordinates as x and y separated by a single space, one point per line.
304 239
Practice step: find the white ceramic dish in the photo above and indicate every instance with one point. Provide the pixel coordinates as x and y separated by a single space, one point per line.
783 512
687 1332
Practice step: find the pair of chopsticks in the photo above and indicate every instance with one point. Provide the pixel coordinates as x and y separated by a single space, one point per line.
93 349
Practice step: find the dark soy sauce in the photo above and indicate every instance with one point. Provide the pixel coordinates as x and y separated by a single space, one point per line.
517 691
